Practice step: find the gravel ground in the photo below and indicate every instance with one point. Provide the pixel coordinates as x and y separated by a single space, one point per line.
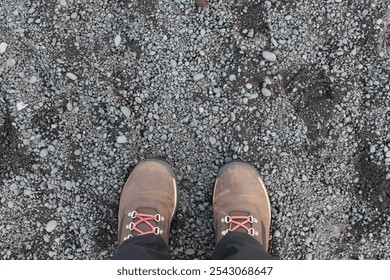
300 89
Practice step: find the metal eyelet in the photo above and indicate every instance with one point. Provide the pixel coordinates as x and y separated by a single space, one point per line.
251 231
157 217
133 214
227 219
131 226
156 230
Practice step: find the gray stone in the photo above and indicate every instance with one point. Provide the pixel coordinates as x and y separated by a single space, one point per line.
266 92
11 62
117 40
121 139
43 153
269 56
51 225
198 77
3 47
125 111
189 252
71 76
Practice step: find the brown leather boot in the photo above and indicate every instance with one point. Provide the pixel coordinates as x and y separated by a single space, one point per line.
241 203
148 201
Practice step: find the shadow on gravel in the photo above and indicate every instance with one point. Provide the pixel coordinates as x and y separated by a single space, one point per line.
372 187
314 100
13 159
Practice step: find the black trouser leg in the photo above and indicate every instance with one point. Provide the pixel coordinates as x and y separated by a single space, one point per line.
240 246
145 247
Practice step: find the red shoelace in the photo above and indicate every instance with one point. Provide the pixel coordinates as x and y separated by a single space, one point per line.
144 218
239 222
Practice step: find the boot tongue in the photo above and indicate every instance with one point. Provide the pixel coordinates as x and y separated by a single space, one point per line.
239 213
143 226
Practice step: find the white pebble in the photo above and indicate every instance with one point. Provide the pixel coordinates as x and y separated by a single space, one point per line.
71 76
10 204
266 92
121 139
21 105
173 63
202 32
117 40
125 111
249 86
3 47
63 2
269 56
11 62
51 225
213 140
232 77
277 233
267 81
198 77
43 153
33 80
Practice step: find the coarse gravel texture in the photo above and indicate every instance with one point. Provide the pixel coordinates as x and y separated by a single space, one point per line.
299 89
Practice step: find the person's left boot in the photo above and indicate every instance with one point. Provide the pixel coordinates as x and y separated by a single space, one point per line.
148 201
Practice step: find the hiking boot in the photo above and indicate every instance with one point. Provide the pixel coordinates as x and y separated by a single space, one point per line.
241 203
148 201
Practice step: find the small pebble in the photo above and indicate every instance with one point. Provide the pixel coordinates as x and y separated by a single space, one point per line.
276 233
51 226
249 86
21 105
11 62
212 140
125 111
121 139
173 63
198 77
117 40
232 77
43 153
269 56
309 256
266 92
71 76
189 252
10 204
3 47
33 80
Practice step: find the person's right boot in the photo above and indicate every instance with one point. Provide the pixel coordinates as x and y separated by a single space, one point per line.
241 203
